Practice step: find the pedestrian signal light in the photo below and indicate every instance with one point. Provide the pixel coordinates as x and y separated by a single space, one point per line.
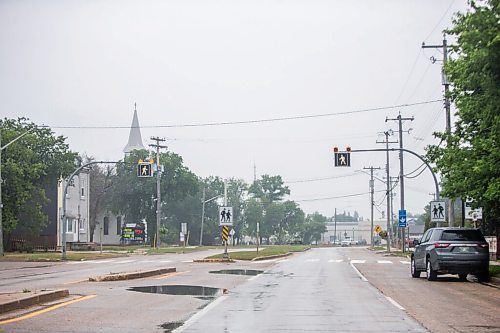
144 170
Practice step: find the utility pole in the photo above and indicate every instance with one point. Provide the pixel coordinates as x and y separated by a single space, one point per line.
400 119
372 190
392 181
202 216
445 83
386 133
335 229
158 192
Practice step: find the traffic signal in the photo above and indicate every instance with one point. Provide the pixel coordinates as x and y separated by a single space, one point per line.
144 169
342 159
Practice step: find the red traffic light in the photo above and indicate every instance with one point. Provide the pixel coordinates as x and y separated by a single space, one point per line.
335 149
348 149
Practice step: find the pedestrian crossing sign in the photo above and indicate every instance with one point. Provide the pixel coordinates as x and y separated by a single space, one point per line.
225 216
438 211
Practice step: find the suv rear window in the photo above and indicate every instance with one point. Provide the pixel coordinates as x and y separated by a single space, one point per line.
462 235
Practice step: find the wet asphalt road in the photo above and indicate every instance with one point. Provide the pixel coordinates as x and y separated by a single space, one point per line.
317 291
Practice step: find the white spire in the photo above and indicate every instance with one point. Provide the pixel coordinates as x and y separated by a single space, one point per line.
134 138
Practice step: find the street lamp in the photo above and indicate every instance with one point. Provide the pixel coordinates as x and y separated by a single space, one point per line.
203 202
1 181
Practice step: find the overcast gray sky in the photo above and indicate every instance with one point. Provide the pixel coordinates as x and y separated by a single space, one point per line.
85 63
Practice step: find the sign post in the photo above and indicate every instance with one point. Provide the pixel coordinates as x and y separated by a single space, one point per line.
225 221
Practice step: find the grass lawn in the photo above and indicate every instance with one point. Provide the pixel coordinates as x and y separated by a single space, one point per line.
495 270
57 256
268 250
179 249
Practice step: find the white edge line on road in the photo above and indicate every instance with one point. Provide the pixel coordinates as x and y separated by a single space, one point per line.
199 314
357 272
396 304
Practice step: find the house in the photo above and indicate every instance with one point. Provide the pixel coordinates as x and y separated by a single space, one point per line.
77 212
77 209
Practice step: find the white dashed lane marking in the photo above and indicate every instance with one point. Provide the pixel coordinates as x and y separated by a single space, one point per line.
358 261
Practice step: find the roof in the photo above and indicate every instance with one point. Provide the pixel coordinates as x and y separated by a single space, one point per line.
134 138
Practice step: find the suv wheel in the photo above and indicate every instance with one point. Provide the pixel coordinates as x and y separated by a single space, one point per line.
484 276
462 277
431 274
414 271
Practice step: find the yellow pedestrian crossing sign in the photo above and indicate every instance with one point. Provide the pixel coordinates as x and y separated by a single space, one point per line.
377 229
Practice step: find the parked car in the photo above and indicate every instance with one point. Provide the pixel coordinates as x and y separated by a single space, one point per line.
451 251
345 242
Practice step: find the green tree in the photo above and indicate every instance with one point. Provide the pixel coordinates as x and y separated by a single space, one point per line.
314 227
253 214
269 188
100 186
135 197
292 221
30 165
236 191
469 161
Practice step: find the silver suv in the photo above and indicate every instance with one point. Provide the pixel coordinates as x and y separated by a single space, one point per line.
451 251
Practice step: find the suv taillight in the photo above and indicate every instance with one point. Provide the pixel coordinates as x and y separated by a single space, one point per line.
441 245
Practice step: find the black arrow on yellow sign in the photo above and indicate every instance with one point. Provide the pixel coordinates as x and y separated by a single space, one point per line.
225 232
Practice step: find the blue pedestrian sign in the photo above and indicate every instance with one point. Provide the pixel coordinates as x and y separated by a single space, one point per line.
402 218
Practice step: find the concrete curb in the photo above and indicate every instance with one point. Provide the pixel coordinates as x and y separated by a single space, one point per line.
131 276
20 300
494 282
214 260
272 257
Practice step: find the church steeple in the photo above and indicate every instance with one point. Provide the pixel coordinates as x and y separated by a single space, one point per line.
134 138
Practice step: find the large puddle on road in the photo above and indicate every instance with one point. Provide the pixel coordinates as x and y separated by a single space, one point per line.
238 271
198 291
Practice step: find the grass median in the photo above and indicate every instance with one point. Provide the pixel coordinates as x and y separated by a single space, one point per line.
268 250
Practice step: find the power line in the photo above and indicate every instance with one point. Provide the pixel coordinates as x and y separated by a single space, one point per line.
440 20
256 121
319 178
338 197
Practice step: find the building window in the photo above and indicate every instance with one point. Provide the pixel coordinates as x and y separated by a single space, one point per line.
118 225
106 225
82 225
82 188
